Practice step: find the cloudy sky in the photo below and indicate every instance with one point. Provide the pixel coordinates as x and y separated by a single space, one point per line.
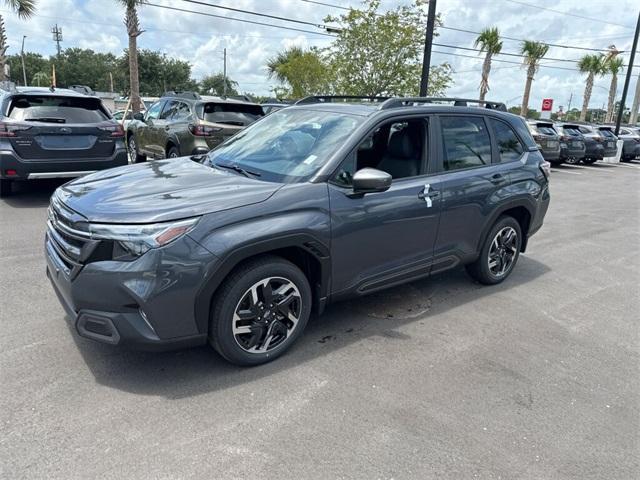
200 39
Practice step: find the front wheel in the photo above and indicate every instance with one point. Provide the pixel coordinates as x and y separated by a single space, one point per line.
499 253
589 161
572 160
260 311
132 145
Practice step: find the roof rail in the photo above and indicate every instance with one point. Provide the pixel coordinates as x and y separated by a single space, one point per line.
457 102
182 94
343 98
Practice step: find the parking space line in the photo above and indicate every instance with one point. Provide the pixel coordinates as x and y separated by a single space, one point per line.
559 170
627 165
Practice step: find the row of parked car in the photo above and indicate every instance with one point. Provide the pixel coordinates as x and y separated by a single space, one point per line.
577 142
49 133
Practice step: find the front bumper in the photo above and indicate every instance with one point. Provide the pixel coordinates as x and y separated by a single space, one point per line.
57 168
147 303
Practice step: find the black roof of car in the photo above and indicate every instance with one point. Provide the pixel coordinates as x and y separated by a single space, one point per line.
60 92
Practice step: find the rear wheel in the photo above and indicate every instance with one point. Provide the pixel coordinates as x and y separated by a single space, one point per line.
589 161
259 311
499 254
572 160
5 187
173 152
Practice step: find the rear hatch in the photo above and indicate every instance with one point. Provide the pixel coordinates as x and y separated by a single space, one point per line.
225 119
609 138
49 127
572 136
545 135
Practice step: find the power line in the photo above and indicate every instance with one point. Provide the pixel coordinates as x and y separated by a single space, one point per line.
500 61
248 12
568 14
236 19
444 27
508 54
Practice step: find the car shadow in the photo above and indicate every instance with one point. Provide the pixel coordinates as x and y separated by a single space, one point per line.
195 371
33 194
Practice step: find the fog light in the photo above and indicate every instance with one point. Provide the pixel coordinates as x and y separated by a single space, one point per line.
10 172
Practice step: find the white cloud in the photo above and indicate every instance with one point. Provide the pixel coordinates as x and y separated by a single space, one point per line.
200 39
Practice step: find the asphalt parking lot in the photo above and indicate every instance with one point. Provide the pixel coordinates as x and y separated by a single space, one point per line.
535 379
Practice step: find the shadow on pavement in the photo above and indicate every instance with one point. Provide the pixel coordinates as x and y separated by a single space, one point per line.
33 194
187 373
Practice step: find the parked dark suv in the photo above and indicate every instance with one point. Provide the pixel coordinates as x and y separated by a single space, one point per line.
572 143
547 139
55 133
315 203
184 123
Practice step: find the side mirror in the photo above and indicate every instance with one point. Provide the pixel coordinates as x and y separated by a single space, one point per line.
370 180
138 116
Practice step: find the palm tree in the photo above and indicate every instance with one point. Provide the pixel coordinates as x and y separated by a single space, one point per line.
533 52
133 30
613 66
41 78
490 43
24 9
592 65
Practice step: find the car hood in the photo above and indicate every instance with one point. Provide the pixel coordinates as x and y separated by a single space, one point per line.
161 190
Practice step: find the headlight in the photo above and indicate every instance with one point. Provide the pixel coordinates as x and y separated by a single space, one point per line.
137 239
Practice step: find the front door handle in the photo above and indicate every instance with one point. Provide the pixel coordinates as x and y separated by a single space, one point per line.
428 195
167 127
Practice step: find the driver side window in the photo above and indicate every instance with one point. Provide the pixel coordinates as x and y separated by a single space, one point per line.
395 148
154 111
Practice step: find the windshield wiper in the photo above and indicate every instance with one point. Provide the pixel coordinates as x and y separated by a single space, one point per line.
46 119
237 168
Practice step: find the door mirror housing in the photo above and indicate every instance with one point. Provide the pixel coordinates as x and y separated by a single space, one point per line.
370 180
138 116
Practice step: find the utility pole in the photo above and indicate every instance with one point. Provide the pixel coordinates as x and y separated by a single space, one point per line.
628 77
24 71
636 102
111 82
224 74
428 41
57 36
569 107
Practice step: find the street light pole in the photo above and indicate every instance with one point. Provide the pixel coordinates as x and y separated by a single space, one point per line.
428 41
24 71
628 78
224 75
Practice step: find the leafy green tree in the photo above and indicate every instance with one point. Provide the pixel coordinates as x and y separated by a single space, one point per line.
533 53
33 63
490 43
381 53
158 73
78 66
24 9
304 72
41 79
592 65
214 85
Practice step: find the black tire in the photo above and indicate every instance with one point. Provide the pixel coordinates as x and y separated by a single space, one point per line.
230 298
480 269
589 161
572 160
173 152
132 146
5 187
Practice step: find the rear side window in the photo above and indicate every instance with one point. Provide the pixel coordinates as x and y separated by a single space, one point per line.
230 113
607 133
52 109
466 142
509 146
181 112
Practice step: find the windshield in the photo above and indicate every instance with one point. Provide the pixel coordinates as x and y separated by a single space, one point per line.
239 114
288 145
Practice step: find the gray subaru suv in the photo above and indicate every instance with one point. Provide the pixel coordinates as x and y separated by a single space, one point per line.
329 199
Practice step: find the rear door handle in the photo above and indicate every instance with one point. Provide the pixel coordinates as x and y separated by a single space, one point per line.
167 127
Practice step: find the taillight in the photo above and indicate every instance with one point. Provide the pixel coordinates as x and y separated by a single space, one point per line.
10 129
545 168
203 130
116 129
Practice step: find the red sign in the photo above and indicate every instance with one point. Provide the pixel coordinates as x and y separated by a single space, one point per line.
547 104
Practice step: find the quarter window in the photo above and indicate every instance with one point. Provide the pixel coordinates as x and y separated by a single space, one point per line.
466 142
509 146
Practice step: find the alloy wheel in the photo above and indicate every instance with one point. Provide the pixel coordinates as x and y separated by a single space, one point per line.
266 315
132 150
503 251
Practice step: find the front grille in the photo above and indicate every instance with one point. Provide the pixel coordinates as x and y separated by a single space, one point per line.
68 235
